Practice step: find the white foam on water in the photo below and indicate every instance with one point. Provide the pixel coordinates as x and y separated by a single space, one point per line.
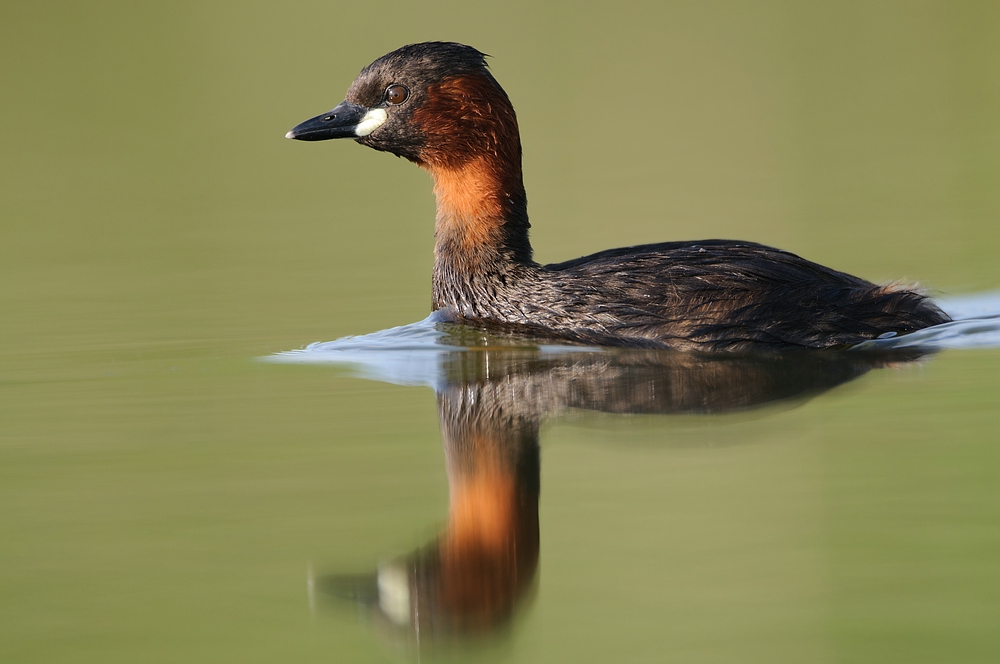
975 324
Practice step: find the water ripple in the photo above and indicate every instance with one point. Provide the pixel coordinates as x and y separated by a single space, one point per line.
412 354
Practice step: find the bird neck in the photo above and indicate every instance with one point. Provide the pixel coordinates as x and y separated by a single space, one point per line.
481 212
472 148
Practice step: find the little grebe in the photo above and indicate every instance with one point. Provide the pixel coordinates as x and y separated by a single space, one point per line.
437 105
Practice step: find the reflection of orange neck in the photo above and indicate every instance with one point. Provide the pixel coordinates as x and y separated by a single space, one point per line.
483 513
489 551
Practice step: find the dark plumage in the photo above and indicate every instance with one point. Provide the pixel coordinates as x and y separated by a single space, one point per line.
456 121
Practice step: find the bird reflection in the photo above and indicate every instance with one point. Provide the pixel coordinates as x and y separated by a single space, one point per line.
472 579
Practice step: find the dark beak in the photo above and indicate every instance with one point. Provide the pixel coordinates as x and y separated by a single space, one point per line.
341 122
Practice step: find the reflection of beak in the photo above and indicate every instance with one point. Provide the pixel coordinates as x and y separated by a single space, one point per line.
347 120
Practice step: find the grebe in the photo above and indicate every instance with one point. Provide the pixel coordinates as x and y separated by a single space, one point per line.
438 105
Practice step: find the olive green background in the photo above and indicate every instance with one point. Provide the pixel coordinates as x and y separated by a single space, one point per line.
162 494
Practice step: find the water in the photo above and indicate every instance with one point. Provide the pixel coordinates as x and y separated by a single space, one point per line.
167 496
413 354
493 393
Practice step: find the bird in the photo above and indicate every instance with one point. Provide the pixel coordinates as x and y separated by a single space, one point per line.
438 105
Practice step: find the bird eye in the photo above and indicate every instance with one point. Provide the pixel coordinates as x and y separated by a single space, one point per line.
396 94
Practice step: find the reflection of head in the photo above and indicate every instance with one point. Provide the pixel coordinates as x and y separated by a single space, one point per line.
471 579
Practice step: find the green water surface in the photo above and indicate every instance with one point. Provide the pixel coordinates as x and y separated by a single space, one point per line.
164 497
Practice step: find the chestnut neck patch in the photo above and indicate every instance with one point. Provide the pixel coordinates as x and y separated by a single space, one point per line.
473 150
